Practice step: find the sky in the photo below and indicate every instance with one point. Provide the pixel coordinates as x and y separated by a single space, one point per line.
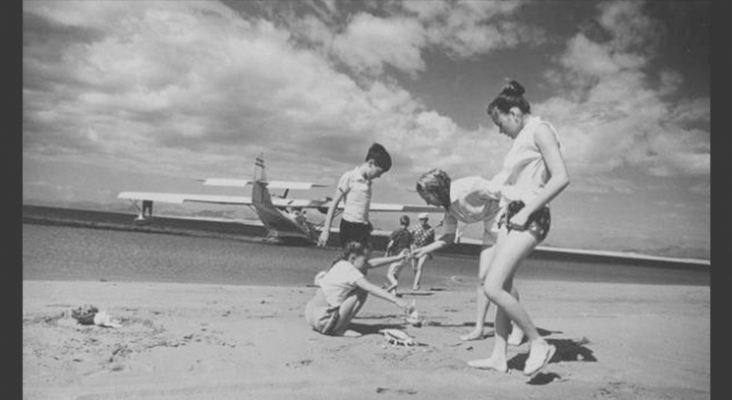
148 96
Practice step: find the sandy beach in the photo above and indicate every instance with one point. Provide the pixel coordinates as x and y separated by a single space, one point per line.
211 318
203 341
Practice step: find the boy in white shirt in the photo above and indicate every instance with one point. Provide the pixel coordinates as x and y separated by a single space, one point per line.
354 188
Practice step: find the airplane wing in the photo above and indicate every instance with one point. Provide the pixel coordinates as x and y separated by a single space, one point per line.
178 198
270 184
382 207
404 208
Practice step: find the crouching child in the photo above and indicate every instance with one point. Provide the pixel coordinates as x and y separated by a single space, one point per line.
344 288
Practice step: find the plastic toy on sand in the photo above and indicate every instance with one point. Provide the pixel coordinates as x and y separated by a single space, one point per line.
396 338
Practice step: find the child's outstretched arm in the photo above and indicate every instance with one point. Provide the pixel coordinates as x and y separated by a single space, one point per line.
364 284
380 261
325 233
444 241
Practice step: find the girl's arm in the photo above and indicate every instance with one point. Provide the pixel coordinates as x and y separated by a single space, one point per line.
325 233
444 241
378 262
364 284
558 176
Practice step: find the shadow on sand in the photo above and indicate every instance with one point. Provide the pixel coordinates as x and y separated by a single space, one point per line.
372 329
542 332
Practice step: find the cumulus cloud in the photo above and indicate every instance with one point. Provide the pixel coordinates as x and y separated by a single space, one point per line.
399 33
468 28
612 114
178 87
370 42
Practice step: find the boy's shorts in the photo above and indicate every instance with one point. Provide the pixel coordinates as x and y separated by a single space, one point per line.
537 225
321 316
354 231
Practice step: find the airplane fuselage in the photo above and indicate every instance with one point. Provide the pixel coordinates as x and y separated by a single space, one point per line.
278 224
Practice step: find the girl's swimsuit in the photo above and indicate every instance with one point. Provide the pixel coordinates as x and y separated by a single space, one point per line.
537 225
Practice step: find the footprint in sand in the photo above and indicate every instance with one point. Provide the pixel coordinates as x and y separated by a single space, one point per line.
396 391
299 364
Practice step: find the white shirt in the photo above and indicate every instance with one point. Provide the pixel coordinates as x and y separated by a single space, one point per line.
339 281
356 196
474 199
524 171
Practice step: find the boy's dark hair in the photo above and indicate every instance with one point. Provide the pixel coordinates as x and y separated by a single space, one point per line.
404 220
381 157
356 247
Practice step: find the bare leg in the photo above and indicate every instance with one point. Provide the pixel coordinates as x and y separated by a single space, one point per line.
517 335
481 300
497 361
349 309
391 275
418 272
515 247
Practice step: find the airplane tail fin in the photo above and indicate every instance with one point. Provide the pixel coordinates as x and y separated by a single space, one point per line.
259 171
260 194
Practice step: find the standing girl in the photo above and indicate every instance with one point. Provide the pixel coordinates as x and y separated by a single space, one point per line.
533 174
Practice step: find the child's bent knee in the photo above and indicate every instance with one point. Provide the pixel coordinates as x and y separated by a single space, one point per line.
491 290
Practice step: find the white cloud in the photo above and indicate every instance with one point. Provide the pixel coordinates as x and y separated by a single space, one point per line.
369 42
468 28
595 59
331 4
182 87
610 115
628 23
366 42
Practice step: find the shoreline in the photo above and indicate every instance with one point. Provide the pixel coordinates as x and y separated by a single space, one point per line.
185 226
184 340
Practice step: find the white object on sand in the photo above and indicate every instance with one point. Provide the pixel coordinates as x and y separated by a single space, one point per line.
103 319
398 338
414 319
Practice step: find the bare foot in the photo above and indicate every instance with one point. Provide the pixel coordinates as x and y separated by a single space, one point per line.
351 333
415 287
516 337
495 364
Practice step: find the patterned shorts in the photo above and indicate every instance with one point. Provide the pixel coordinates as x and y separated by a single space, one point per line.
538 223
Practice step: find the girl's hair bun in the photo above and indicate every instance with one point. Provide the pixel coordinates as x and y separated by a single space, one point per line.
513 88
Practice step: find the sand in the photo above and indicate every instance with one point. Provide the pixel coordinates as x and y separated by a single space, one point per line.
202 341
